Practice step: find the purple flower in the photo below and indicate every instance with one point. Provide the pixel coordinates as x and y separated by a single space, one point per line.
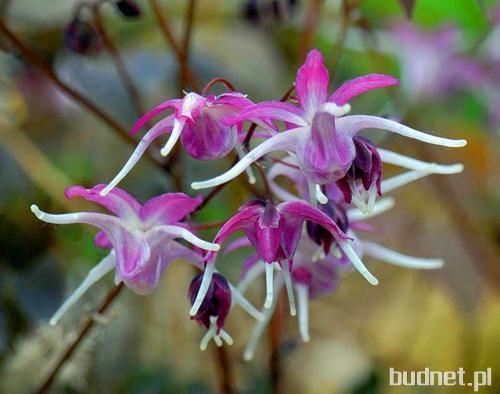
317 133
274 232
142 239
214 309
432 63
197 121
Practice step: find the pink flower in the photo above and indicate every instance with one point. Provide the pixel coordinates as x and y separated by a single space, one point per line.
142 239
197 121
275 232
317 132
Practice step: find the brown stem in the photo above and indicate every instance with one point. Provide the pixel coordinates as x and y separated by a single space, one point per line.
186 42
225 370
84 331
37 61
224 81
275 368
117 59
164 25
310 24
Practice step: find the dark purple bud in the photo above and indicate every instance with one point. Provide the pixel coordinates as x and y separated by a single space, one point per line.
366 167
217 302
322 236
251 11
128 8
81 37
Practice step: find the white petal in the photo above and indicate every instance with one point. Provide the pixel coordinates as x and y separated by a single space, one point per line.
303 300
355 123
392 257
380 206
106 265
356 262
174 136
418 165
282 141
204 286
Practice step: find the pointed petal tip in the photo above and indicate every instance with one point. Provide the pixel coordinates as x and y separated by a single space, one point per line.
53 322
306 338
38 213
268 303
247 356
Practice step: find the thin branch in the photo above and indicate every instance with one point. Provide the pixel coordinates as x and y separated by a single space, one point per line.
275 367
117 59
225 370
84 331
186 42
36 60
214 81
310 24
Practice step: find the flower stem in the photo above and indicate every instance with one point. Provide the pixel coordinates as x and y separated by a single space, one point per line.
37 61
84 331
117 59
225 370
186 42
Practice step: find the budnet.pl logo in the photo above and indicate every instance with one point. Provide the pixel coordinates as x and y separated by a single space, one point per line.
426 377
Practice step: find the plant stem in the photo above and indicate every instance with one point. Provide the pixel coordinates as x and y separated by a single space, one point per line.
225 370
164 25
275 329
117 59
188 28
37 61
84 331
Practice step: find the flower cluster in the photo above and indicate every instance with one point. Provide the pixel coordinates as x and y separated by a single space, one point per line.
304 243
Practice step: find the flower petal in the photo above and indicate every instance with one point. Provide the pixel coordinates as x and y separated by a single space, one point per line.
354 123
283 141
243 219
168 208
118 201
132 250
270 110
162 127
311 83
360 85
325 155
170 104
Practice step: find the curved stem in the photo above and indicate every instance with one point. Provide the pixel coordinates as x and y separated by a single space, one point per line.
84 331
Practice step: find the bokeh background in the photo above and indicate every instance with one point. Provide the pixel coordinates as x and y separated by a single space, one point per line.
442 319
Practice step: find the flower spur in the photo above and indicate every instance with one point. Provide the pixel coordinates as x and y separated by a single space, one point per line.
318 133
142 239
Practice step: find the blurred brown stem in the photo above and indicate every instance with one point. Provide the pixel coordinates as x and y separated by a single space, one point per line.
225 370
310 24
37 61
117 59
84 331
275 367
164 25
186 42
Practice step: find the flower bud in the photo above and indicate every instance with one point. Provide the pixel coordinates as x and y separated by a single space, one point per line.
128 8
81 37
217 302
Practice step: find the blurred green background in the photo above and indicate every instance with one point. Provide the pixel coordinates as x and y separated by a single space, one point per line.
438 319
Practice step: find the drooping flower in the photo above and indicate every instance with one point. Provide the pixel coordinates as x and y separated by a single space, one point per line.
142 239
314 275
317 132
275 231
198 121
214 309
